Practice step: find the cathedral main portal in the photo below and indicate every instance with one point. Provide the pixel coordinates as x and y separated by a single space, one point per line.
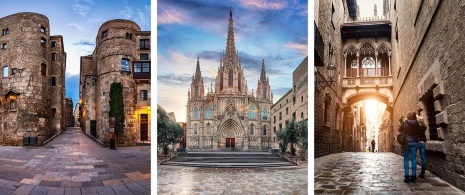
231 134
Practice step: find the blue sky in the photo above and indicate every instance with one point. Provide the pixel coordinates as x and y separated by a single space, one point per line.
78 22
273 30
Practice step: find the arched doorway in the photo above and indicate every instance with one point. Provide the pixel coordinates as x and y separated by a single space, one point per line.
231 135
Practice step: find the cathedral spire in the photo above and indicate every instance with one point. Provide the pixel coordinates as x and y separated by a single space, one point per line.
231 54
198 74
263 74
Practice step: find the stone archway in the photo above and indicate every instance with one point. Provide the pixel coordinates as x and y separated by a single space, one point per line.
232 132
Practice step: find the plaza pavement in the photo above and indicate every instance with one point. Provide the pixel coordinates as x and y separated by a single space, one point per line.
373 173
193 180
74 164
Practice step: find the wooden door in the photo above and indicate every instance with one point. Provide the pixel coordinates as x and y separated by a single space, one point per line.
144 127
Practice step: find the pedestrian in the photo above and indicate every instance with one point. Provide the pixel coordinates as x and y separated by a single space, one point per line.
422 145
411 128
373 143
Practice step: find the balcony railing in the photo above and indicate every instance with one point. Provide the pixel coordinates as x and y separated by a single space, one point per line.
319 47
367 72
362 19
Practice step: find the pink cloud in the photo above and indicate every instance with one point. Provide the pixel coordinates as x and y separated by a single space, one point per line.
264 4
168 15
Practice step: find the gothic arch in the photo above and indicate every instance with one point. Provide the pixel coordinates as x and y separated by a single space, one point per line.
351 50
368 96
367 48
383 49
230 126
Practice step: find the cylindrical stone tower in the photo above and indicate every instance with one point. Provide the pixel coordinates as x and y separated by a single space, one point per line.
115 53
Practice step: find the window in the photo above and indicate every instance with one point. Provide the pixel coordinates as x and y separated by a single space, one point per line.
274 130
431 113
43 41
252 112
42 29
280 116
208 111
124 64
12 105
5 31
302 115
5 71
54 112
4 46
195 129
265 114
293 100
143 95
280 126
196 112
144 56
230 78
208 129
142 67
54 44
144 44
287 111
293 115
104 33
128 35
294 88
274 119
54 56
43 69
264 130
54 81
302 99
251 129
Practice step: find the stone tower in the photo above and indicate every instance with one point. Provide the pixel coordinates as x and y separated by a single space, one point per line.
33 66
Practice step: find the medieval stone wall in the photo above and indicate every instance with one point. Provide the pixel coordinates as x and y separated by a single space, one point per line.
430 57
327 129
27 52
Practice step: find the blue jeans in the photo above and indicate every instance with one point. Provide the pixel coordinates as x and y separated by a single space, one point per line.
410 150
422 148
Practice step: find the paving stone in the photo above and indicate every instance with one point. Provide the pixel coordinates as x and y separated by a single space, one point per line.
56 191
107 190
24 189
39 190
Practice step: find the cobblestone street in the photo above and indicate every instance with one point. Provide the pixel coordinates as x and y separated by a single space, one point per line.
190 180
74 164
372 173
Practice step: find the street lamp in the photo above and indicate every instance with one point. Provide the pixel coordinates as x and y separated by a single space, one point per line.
331 68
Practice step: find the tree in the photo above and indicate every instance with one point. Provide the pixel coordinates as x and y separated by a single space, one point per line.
168 131
117 107
303 138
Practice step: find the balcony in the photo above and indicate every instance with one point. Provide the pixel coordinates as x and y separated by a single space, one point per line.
319 47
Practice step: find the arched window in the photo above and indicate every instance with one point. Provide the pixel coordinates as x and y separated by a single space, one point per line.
264 130
208 111
208 129
251 129
351 60
196 112
383 60
265 114
252 112
302 115
196 129
230 78
368 63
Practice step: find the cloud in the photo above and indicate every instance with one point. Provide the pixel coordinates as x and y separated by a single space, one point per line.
141 17
85 43
169 15
264 4
183 80
82 7
301 47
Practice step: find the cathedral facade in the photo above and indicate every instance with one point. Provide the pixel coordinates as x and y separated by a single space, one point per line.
227 116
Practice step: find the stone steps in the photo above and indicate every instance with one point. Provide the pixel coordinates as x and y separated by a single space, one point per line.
228 159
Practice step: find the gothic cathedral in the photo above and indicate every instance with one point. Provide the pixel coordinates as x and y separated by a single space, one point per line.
229 118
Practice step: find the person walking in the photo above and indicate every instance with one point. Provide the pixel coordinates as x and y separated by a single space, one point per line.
422 146
373 143
411 129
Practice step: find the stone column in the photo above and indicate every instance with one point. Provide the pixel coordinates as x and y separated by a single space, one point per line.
345 65
358 64
376 63
389 58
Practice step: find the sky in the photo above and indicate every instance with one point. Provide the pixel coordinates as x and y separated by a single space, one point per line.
273 30
366 7
78 22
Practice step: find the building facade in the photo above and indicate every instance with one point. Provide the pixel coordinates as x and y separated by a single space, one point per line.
33 66
293 104
69 118
228 116
122 55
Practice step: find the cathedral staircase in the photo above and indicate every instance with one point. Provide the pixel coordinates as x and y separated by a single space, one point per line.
228 160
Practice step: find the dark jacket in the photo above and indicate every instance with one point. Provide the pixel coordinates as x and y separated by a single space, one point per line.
413 130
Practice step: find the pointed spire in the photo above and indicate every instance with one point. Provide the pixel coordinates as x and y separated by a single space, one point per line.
263 74
376 11
198 74
231 54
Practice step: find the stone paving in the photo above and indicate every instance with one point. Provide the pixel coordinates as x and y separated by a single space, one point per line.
74 164
191 180
372 173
